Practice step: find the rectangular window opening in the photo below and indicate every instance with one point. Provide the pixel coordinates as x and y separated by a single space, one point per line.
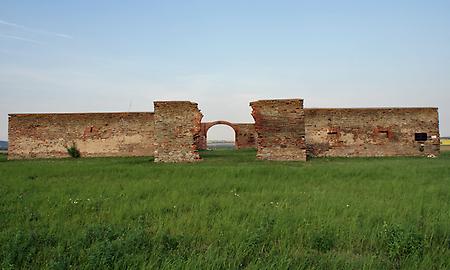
420 137
383 133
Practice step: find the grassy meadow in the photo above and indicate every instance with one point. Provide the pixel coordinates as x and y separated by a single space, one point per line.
228 212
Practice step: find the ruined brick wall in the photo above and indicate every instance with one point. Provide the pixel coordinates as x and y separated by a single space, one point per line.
94 134
280 128
245 136
177 125
201 141
174 133
371 132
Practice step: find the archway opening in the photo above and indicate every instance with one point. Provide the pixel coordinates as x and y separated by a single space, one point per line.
221 136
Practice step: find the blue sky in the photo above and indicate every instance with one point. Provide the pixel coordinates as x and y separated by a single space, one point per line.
61 56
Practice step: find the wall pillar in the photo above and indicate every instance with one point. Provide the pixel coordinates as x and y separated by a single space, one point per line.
177 128
280 128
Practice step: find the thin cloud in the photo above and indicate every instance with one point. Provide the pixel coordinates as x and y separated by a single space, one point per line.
21 39
36 31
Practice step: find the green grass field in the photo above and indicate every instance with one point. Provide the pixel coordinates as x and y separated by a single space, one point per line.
227 212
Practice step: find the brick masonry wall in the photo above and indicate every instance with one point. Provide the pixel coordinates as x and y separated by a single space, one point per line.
245 135
201 141
94 134
329 132
280 128
177 125
371 132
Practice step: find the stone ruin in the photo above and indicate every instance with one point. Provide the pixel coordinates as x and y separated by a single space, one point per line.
283 130
245 136
280 129
178 125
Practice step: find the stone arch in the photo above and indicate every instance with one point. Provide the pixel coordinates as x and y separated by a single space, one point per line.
202 143
209 125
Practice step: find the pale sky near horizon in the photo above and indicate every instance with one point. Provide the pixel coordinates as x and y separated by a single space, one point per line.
94 56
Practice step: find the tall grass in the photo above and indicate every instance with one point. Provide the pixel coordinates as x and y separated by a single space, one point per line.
229 211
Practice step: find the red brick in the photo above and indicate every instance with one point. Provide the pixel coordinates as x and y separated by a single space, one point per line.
280 128
178 127
94 134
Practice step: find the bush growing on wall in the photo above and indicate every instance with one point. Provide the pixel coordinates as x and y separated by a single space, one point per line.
73 151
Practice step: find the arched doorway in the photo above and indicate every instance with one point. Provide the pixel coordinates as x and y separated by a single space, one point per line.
225 137
221 137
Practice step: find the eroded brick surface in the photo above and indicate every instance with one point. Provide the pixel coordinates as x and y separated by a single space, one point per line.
94 134
178 125
371 132
245 135
174 132
280 128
